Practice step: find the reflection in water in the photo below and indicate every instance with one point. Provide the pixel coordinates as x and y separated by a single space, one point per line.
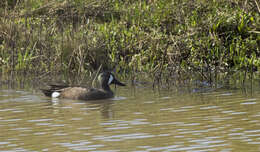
104 106
224 120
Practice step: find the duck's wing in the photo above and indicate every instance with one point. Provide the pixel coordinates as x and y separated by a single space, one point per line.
53 88
58 86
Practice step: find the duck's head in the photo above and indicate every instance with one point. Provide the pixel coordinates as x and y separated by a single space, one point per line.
107 78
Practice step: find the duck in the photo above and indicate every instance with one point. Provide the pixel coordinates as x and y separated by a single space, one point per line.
84 93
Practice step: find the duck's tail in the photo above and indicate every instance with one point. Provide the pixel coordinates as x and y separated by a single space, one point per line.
47 92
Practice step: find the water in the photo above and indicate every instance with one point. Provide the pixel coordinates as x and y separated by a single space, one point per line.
137 120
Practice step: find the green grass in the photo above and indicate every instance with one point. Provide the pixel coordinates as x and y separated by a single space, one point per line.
161 39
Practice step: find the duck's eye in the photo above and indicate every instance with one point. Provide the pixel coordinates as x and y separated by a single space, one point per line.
111 78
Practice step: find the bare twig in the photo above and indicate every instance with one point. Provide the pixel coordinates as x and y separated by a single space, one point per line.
94 80
257 6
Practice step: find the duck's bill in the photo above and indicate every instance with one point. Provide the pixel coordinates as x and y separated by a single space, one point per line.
115 81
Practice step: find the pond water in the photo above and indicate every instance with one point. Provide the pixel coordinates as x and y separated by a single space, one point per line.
137 119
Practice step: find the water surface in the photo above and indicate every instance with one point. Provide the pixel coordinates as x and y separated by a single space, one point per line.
138 120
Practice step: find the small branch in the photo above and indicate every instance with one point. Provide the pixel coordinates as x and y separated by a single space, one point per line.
257 32
257 6
94 80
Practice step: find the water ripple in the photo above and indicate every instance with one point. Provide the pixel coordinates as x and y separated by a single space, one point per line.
80 145
39 120
123 137
216 121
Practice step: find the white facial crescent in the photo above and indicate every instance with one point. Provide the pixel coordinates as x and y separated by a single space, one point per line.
111 78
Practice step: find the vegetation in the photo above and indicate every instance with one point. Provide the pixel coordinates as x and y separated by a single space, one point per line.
165 40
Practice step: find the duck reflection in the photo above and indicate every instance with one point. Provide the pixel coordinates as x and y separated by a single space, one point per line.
104 107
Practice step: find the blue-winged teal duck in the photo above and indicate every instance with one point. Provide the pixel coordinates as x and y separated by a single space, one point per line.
82 93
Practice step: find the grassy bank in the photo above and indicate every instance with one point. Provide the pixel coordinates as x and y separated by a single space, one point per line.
166 40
